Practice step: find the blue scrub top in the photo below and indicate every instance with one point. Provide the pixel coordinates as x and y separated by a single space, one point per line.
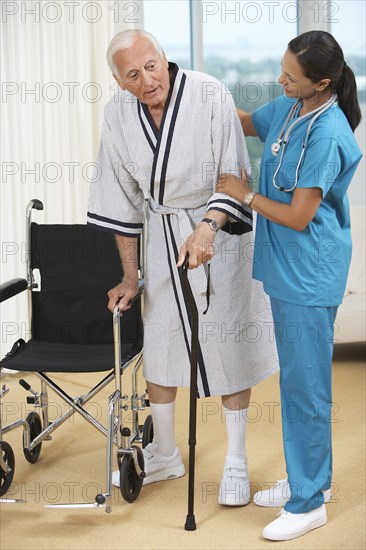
308 267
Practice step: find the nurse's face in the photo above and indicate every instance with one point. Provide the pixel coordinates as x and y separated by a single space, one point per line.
293 81
143 72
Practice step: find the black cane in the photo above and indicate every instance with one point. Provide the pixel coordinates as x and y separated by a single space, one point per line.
190 524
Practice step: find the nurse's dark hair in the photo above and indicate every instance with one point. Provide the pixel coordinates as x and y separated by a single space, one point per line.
320 56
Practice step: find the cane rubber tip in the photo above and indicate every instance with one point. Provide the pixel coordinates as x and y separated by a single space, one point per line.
190 524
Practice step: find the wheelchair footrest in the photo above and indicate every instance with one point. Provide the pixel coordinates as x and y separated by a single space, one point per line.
11 500
76 505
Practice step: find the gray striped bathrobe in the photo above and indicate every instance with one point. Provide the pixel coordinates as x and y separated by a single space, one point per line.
164 180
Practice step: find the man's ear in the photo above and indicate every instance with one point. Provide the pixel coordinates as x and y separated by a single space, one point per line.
323 84
165 59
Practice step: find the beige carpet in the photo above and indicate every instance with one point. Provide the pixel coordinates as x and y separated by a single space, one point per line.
71 468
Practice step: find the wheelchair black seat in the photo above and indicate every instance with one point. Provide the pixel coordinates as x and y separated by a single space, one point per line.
71 325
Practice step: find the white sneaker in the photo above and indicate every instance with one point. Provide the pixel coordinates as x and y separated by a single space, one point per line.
234 487
278 495
158 467
290 526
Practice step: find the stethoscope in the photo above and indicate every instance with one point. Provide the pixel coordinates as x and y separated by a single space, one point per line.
283 138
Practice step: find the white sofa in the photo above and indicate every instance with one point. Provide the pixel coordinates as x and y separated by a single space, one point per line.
350 322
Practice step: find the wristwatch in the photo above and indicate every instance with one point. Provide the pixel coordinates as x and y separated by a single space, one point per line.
249 197
212 223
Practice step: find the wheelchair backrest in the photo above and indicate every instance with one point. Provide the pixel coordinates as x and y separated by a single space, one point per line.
77 266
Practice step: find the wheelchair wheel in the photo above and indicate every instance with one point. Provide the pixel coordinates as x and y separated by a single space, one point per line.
147 431
6 477
129 481
35 424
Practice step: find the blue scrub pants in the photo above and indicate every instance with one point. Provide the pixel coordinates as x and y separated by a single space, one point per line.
304 338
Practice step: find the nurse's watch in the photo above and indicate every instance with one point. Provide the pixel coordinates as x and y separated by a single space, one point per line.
212 223
249 198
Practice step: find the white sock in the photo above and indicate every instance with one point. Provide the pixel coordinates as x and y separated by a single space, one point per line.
236 426
163 415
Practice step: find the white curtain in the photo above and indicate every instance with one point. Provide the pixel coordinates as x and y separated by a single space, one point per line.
55 83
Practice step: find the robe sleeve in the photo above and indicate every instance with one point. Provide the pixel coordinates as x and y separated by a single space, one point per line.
115 199
230 155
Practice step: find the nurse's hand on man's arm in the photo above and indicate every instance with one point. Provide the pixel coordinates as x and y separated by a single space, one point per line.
234 186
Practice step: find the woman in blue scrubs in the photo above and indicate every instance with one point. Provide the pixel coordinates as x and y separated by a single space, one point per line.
302 256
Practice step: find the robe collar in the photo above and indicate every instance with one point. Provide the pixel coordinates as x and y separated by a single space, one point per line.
161 140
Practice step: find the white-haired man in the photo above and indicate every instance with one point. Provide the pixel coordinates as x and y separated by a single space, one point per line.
166 138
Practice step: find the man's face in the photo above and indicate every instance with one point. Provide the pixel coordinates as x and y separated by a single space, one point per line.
143 72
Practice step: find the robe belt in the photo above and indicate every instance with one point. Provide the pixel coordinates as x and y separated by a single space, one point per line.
198 276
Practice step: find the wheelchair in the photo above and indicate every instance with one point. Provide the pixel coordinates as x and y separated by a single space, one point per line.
70 269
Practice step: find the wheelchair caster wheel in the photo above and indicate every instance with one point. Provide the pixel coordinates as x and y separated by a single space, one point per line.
100 499
147 431
129 481
6 478
35 424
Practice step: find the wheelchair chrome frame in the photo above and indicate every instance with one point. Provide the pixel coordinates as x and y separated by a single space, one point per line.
3 391
116 404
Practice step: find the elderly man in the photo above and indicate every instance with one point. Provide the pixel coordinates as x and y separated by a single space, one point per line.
167 136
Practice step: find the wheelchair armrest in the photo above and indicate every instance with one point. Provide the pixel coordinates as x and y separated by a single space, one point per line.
12 288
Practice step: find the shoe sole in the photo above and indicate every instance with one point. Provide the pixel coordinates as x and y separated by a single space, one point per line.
165 475
278 536
281 504
233 503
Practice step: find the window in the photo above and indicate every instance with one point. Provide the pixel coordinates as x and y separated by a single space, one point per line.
169 22
243 46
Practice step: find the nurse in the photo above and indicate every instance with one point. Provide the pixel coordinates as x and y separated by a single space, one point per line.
302 256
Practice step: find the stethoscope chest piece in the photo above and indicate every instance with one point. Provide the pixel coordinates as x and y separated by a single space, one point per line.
275 147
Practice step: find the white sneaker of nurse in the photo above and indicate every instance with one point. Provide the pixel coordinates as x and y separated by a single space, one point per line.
290 526
158 467
278 495
234 487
